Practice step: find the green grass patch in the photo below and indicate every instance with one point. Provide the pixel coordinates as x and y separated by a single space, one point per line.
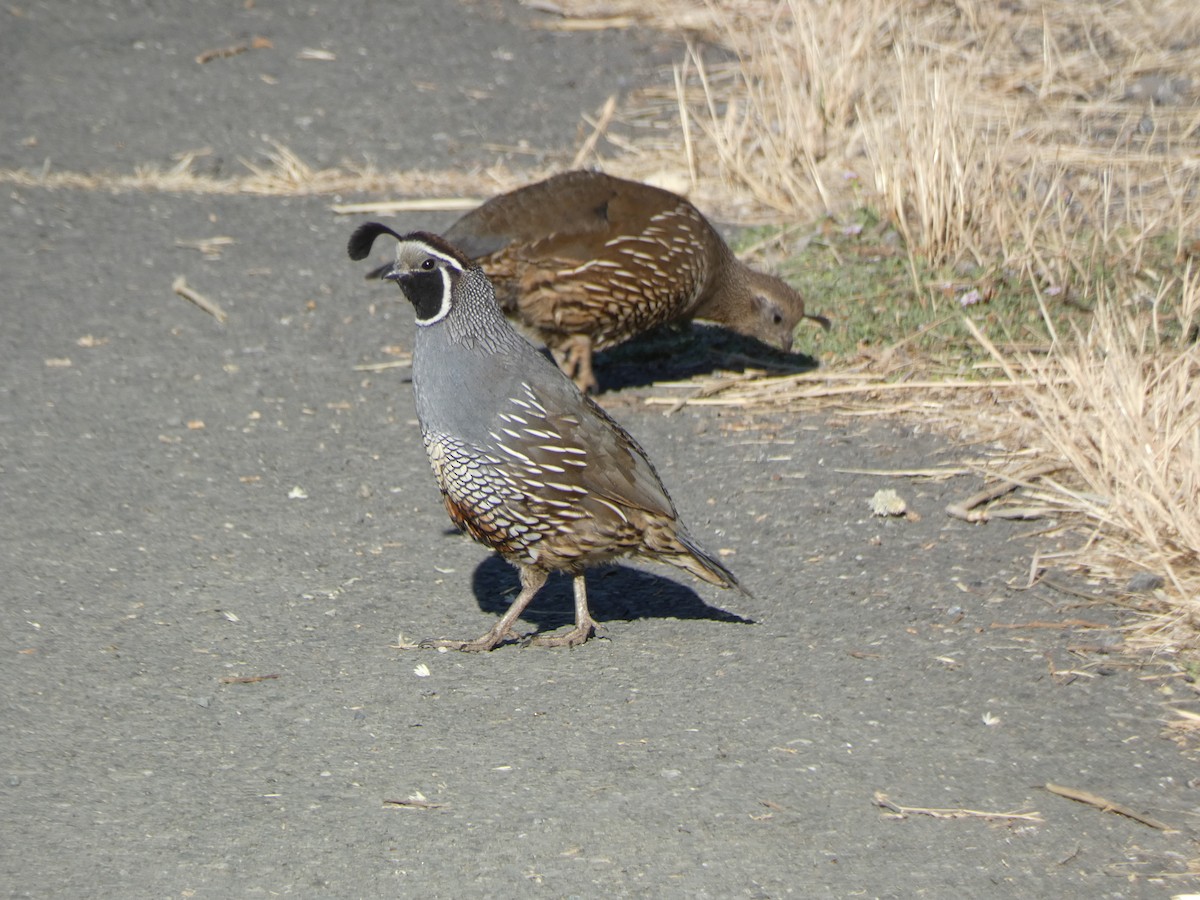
878 298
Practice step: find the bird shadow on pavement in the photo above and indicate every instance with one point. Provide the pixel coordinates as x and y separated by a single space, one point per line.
677 352
615 593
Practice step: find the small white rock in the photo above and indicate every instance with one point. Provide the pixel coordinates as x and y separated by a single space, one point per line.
888 503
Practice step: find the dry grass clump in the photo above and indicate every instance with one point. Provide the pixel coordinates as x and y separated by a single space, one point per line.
773 118
1119 404
977 127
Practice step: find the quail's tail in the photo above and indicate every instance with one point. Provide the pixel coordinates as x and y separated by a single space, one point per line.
689 555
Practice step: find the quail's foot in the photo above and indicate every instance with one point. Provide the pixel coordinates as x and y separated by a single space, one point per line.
532 579
489 641
572 638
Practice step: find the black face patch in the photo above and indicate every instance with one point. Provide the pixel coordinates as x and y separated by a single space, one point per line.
425 291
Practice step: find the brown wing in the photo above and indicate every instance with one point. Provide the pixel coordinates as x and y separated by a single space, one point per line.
574 203
591 450
587 253
625 506
568 217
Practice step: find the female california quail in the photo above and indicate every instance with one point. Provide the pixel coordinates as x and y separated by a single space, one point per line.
527 465
583 261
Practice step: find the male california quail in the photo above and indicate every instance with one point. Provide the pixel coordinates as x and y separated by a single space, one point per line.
527 465
583 261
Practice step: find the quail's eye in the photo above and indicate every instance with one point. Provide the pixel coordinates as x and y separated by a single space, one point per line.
428 264
777 319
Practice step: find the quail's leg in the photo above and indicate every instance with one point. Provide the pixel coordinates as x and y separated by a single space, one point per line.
532 579
574 357
585 625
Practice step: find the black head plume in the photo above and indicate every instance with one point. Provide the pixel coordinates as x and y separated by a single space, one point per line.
364 236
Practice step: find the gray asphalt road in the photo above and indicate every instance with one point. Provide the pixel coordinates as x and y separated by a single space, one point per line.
211 537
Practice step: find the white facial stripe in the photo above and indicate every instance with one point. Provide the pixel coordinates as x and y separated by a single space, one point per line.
437 254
